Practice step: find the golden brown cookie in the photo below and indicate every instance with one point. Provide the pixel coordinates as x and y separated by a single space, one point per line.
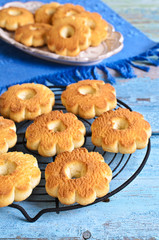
66 10
19 174
89 98
26 101
98 26
13 17
32 34
45 13
54 133
69 36
8 136
121 131
79 176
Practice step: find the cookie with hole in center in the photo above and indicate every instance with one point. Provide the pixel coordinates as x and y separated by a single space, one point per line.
19 174
121 131
78 176
66 10
54 133
26 101
13 17
89 98
69 36
45 13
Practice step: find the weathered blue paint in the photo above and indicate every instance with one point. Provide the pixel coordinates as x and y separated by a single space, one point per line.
131 213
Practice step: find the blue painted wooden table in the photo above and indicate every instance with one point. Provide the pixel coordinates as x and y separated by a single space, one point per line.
133 213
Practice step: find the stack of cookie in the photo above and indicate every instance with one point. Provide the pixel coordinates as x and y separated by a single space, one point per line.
66 29
76 175
19 173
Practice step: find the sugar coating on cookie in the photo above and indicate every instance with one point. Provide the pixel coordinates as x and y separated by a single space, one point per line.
78 176
89 98
32 34
66 10
98 26
69 36
54 133
8 136
26 101
19 174
13 17
45 13
121 131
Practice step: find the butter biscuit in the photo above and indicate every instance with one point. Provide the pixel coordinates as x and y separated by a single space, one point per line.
8 136
69 36
32 34
54 133
13 17
89 98
121 131
78 176
26 101
45 13
19 174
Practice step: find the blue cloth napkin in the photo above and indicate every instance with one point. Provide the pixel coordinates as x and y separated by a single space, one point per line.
19 67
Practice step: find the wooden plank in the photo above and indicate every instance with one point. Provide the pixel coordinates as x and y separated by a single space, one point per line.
130 214
144 15
142 95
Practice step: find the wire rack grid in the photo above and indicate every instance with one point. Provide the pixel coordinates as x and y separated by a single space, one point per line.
117 162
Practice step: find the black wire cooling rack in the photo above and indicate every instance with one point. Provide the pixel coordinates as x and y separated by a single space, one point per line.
117 162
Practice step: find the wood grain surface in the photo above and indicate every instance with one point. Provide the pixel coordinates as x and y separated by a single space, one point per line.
143 14
133 213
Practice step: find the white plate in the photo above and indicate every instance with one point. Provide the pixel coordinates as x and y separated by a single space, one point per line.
93 55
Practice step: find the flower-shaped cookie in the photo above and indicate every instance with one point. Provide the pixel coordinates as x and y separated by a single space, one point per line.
69 36
121 131
19 174
26 101
54 133
66 10
89 98
8 136
45 13
13 17
78 176
32 34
